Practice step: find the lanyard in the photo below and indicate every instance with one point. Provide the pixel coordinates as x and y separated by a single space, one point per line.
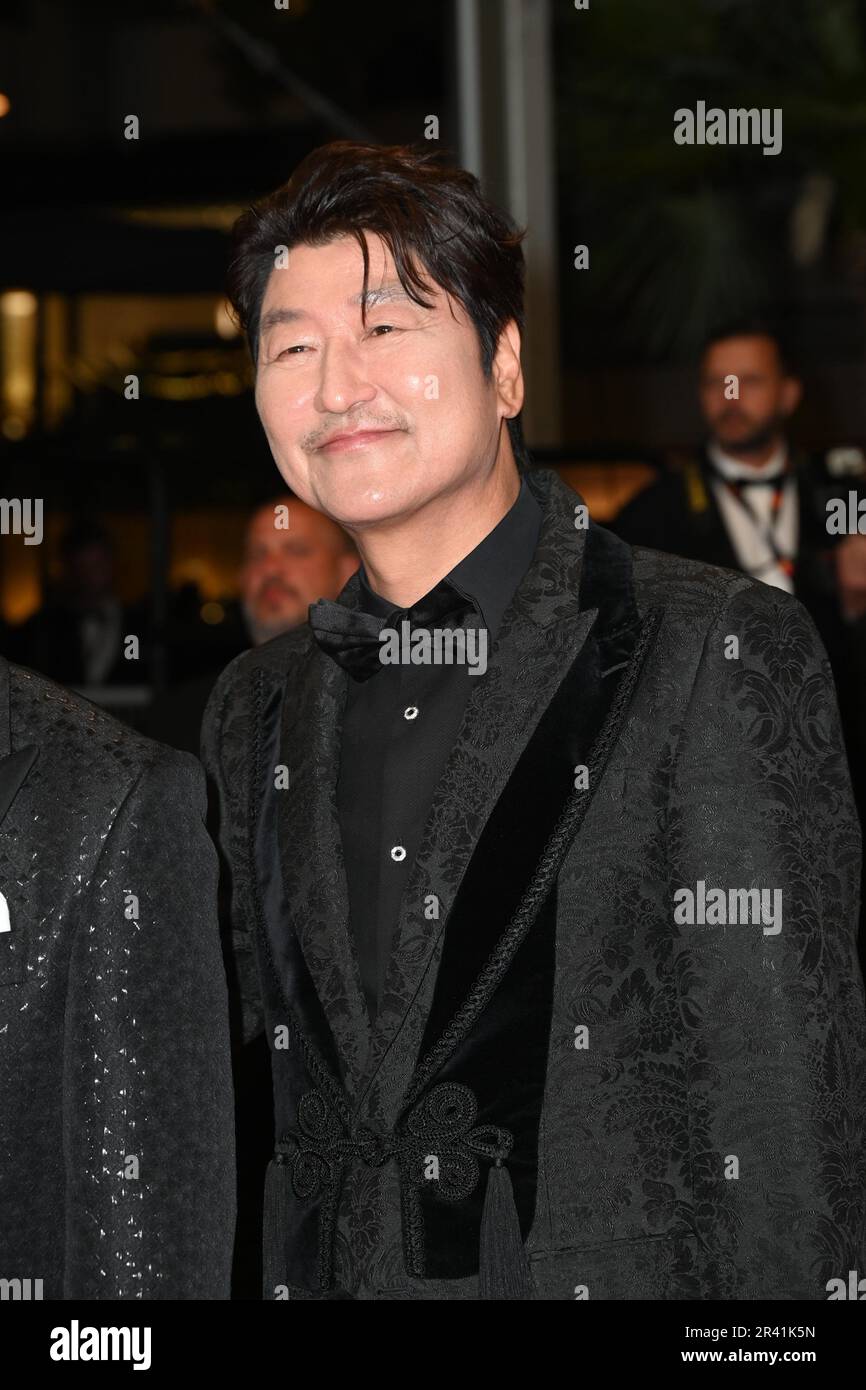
786 563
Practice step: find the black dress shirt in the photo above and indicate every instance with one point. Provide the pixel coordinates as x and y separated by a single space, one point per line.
399 727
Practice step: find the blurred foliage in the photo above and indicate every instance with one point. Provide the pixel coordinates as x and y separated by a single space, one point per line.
684 237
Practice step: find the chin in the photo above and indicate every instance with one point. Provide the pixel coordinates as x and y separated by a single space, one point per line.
365 505
735 441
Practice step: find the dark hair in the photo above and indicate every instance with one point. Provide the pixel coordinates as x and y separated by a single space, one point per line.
753 327
425 210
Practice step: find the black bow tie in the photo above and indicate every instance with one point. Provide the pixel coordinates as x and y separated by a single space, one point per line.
772 481
352 637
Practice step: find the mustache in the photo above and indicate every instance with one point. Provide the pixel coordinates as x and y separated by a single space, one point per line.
732 412
287 589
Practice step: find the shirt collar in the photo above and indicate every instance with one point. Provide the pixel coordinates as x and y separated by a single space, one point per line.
734 469
489 575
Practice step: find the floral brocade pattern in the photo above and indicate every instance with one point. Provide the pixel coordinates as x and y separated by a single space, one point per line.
702 1129
713 1043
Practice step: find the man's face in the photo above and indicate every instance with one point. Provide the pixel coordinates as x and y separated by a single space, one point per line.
414 373
767 395
285 570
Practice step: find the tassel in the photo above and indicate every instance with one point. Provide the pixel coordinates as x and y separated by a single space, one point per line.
503 1270
275 1217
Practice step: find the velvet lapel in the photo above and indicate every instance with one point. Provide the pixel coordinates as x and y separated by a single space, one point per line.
493 983
14 766
542 634
311 853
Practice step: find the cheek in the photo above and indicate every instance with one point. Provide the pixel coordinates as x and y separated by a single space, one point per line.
755 398
285 424
418 390
444 396
280 405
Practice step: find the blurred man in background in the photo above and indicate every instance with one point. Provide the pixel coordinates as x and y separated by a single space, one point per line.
285 568
749 501
77 636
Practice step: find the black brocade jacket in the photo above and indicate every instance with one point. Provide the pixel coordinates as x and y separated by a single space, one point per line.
668 1111
116 1110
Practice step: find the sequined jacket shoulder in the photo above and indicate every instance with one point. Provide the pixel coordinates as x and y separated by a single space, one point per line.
115 1085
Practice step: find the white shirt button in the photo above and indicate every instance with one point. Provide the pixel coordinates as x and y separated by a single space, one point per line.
411 712
398 853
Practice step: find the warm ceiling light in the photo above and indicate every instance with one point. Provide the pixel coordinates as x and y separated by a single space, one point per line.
5 104
18 304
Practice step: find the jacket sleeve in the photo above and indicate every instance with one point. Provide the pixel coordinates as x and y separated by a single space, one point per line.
148 1131
774 1011
225 753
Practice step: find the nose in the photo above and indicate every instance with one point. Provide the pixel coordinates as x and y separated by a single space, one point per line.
343 381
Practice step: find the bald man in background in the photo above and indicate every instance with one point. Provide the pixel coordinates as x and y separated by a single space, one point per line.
284 569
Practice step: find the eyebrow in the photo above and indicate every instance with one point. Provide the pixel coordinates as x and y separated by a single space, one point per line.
383 295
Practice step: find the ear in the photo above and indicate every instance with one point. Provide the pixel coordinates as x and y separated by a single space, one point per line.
507 371
792 392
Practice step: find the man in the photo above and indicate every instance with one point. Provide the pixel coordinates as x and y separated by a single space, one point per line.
505 1065
292 556
752 503
117 1175
77 636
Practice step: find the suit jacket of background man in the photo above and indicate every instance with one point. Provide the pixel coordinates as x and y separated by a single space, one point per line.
680 1109
116 1137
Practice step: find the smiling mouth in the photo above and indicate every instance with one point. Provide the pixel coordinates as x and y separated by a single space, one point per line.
355 441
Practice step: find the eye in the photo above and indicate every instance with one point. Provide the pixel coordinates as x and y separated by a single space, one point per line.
298 347
388 328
